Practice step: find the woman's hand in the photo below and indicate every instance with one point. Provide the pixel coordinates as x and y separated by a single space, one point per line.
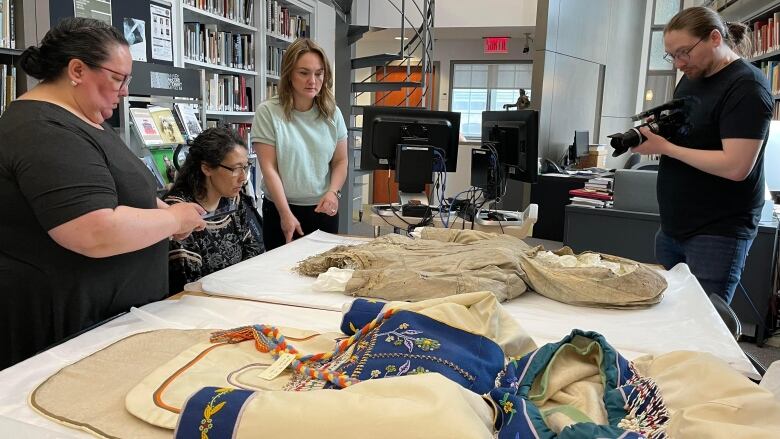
188 218
290 225
329 204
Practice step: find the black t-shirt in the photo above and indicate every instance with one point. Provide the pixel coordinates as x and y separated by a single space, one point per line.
734 103
54 168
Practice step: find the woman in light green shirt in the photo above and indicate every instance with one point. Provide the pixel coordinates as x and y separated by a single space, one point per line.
301 139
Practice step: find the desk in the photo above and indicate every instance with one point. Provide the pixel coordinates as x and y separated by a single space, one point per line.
632 235
518 229
551 194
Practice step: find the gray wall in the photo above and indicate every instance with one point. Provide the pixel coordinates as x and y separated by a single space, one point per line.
586 70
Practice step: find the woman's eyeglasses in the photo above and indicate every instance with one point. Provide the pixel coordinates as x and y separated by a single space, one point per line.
237 170
125 78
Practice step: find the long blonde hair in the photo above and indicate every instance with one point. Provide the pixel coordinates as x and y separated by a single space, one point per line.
324 100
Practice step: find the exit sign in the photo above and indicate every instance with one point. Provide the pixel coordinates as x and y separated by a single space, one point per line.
496 44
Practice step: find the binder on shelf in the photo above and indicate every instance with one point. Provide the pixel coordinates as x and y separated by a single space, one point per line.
207 43
158 178
188 116
240 11
146 127
166 125
7 24
7 86
281 22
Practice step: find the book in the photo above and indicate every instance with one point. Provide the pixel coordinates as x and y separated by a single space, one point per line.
586 193
166 125
145 127
149 162
188 116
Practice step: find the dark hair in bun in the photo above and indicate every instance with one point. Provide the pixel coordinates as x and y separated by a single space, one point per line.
86 39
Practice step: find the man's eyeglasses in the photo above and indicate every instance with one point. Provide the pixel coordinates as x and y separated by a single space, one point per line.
683 55
237 170
125 78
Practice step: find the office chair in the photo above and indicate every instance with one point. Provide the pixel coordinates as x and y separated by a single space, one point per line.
633 160
732 322
649 165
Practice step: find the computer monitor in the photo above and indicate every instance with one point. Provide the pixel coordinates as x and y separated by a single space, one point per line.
581 140
514 134
414 142
384 128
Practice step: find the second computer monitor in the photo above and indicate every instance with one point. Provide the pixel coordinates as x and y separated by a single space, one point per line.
384 128
581 141
514 135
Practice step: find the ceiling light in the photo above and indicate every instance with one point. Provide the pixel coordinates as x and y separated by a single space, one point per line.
399 38
649 95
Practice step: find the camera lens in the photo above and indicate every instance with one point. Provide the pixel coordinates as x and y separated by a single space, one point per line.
622 141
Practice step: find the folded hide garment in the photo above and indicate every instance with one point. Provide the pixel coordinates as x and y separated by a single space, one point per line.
447 262
461 337
579 388
394 267
100 392
426 406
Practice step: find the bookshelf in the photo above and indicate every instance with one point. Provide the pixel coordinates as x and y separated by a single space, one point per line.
259 28
13 81
220 38
272 26
283 21
762 18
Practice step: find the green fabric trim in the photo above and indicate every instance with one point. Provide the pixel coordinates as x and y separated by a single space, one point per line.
584 351
570 411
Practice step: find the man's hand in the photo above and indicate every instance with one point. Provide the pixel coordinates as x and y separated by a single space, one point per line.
654 144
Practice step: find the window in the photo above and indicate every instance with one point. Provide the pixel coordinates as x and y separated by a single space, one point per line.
661 75
478 87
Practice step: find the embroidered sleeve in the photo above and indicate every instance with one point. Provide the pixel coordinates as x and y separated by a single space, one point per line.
251 232
185 264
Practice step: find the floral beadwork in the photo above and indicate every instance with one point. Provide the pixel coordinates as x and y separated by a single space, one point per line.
418 370
427 344
508 407
407 337
206 424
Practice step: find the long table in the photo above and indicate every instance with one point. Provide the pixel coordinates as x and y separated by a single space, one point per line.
274 294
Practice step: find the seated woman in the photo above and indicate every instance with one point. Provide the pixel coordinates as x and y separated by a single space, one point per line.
213 175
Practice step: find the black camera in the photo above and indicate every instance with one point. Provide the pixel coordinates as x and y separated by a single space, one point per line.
669 119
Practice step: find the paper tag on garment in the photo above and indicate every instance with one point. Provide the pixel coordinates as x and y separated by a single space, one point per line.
278 367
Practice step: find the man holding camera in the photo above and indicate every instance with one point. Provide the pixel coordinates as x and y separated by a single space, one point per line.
711 180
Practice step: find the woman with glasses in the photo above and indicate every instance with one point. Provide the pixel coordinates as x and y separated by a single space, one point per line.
83 236
711 180
214 175
301 139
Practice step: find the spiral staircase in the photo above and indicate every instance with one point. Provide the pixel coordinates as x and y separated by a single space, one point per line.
415 54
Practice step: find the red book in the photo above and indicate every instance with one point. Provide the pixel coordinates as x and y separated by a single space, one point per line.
586 193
